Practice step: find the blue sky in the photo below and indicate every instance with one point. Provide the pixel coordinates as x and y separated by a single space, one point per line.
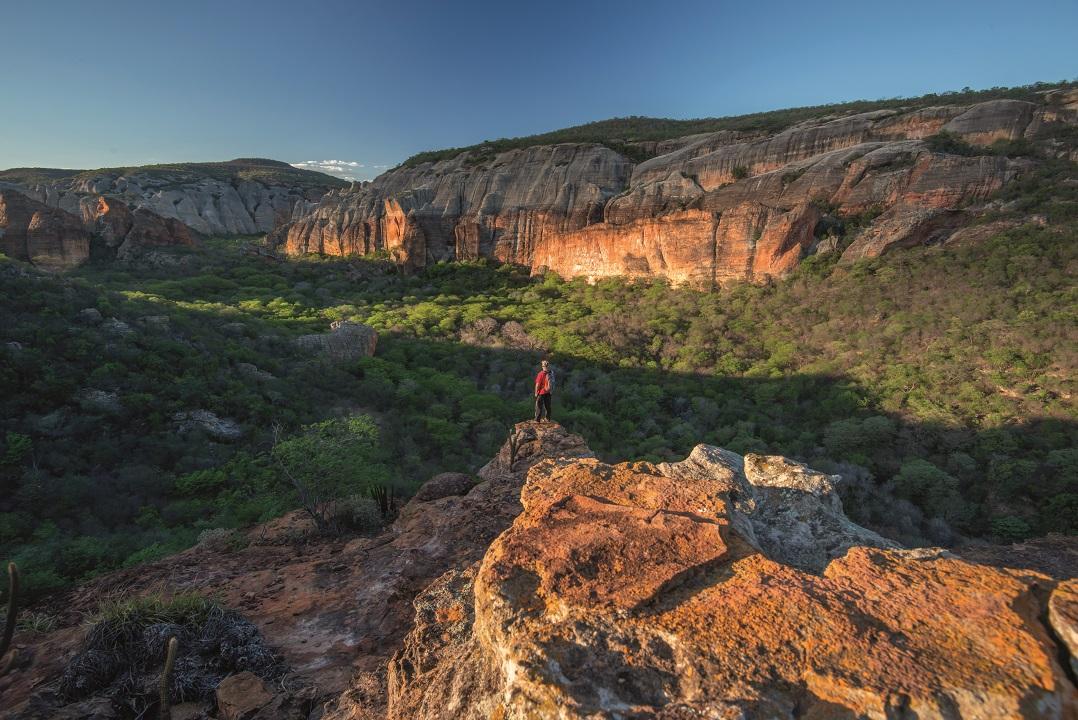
123 83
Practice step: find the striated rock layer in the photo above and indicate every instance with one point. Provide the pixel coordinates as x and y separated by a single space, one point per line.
709 209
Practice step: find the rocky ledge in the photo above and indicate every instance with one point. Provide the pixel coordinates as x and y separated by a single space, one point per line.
724 587
558 586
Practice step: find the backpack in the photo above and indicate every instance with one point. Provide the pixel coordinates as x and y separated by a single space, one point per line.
550 378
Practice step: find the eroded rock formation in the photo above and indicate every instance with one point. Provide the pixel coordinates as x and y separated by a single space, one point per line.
709 209
54 239
720 586
128 232
345 341
49 238
207 205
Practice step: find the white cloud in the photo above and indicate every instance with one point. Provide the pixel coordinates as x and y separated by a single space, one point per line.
345 169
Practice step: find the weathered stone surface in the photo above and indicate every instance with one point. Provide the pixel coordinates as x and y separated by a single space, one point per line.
1063 615
650 591
101 401
241 695
128 232
90 316
586 211
444 485
158 323
561 586
345 342
50 239
335 610
208 422
204 204
987 122
117 327
787 510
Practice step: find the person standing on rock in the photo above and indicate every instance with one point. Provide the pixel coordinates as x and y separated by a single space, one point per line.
544 385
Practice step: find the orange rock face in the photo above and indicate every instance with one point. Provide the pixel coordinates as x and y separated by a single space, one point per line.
640 591
689 214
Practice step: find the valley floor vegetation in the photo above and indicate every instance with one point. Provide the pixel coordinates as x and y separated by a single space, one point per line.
144 407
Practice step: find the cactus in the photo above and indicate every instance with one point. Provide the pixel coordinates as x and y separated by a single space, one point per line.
514 444
12 611
165 712
381 494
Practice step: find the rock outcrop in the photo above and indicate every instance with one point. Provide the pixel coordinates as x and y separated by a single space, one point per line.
48 238
345 342
720 586
54 239
240 197
128 232
708 209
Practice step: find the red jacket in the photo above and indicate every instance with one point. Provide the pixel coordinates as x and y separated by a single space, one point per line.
542 383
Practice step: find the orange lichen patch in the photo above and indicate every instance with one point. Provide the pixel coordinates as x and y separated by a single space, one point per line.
451 614
634 484
590 553
621 590
880 627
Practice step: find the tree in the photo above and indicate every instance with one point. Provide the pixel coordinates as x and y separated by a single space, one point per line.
329 460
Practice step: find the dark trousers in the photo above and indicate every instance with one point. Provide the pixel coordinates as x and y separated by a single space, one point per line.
542 406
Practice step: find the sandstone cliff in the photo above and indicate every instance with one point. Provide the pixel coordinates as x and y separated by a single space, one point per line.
33 232
706 210
560 586
56 240
239 197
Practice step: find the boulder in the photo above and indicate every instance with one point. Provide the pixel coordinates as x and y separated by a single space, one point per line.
720 586
89 316
117 327
444 485
190 711
160 323
235 329
240 696
99 401
216 427
345 342
48 238
254 372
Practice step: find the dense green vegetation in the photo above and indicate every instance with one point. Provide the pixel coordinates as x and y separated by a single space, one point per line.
938 381
240 169
624 134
